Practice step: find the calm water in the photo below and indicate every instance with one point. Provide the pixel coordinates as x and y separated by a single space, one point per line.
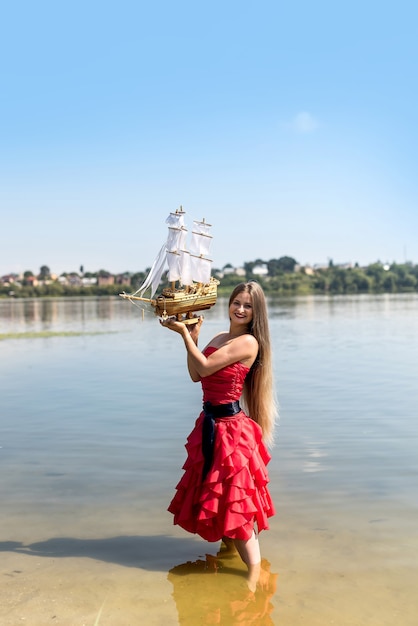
92 429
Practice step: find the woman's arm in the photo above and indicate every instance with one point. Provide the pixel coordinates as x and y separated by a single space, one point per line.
243 348
194 334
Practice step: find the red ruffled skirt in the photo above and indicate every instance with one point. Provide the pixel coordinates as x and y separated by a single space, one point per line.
234 494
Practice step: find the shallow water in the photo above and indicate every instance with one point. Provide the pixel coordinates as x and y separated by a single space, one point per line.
92 429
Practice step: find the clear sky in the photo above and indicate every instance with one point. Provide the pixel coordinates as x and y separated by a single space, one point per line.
290 126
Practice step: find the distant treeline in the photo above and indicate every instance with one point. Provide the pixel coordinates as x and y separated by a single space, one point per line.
278 277
333 279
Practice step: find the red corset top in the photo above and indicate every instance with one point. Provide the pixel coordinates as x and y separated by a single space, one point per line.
226 384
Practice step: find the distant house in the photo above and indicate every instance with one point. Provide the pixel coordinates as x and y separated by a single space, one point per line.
9 279
105 279
123 279
31 280
307 269
228 270
260 270
74 280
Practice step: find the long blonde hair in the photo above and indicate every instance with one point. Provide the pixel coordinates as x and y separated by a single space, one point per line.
258 393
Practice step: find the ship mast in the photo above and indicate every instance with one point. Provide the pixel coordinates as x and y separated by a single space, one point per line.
176 245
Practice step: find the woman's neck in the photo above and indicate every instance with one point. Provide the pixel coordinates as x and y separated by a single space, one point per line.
237 332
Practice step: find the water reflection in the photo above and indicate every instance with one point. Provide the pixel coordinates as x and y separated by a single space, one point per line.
214 591
306 308
60 314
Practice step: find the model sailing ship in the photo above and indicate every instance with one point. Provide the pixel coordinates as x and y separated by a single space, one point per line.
191 286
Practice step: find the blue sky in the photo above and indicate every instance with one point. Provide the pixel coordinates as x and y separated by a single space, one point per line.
291 127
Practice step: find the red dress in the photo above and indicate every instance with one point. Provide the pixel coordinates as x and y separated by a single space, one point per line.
234 493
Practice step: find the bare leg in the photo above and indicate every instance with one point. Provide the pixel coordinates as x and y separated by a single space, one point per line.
249 551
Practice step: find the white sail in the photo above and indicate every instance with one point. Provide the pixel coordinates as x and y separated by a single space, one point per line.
176 219
154 277
173 261
174 239
201 269
202 227
200 244
201 239
182 239
185 268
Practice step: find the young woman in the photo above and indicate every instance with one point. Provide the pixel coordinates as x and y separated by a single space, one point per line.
223 492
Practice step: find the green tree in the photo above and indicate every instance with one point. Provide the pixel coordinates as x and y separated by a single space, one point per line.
26 278
337 283
360 280
377 272
44 273
405 277
283 264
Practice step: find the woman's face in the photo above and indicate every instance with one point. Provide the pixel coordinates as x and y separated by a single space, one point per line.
241 309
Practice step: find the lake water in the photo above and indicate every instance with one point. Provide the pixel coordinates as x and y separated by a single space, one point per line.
92 429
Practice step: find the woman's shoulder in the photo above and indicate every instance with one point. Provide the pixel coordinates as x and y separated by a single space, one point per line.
248 339
245 342
218 340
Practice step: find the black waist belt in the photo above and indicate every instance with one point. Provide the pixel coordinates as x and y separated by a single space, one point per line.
211 412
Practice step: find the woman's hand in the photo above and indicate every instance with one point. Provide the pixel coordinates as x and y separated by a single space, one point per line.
172 324
194 329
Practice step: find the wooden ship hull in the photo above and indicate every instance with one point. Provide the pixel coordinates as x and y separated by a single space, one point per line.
182 303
